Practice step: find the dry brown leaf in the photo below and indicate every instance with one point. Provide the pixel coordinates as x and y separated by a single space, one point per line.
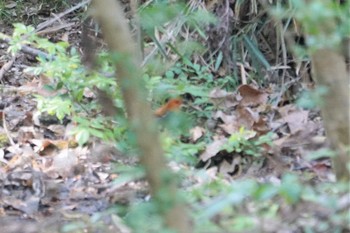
297 120
285 110
37 87
230 128
323 169
65 37
225 168
47 147
222 98
196 133
232 168
44 147
21 159
29 206
244 117
26 134
212 149
261 126
58 130
247 117
63 164
227 119
14 162
217 93
251 95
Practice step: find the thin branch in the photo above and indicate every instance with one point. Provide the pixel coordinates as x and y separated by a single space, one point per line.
59 16
4 125
25 48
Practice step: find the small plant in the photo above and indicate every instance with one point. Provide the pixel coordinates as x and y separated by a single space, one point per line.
243 204
4 14
244 141
71 85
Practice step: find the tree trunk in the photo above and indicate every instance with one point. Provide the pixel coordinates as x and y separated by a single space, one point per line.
115 29
329 70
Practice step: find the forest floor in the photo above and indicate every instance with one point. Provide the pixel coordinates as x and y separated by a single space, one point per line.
47 180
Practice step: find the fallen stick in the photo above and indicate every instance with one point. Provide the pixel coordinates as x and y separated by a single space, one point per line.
59 16
25 48
39 30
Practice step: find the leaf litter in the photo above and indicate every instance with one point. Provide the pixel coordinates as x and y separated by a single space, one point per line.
44 176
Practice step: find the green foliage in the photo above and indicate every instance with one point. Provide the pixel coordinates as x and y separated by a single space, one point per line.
160 16
55 106
4 14
30 12
263 201
73 85
290 189
312 99
3 140
69 81
22 35
255 51
157 14
144 218
244 141
180 152
321 153
325 27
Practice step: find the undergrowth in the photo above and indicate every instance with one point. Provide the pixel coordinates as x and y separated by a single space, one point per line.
238 206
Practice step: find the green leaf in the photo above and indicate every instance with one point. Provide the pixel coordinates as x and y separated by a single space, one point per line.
251 46
218 61
265 192
290 188
321 153
82 136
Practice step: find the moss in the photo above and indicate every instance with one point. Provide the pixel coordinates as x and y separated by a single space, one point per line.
3 140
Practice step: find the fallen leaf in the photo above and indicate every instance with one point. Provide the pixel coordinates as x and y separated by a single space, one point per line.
212 149
229 169
25 134
227 119
222 98
29 206
261 126
297 120
246 116
196 133
21 159
230 128
63 164
251 96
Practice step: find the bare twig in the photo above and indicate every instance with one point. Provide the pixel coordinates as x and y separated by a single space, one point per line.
54 29
25 48
59 16
39 30
6 130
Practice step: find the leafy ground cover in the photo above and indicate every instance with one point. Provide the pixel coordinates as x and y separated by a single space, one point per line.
247 144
